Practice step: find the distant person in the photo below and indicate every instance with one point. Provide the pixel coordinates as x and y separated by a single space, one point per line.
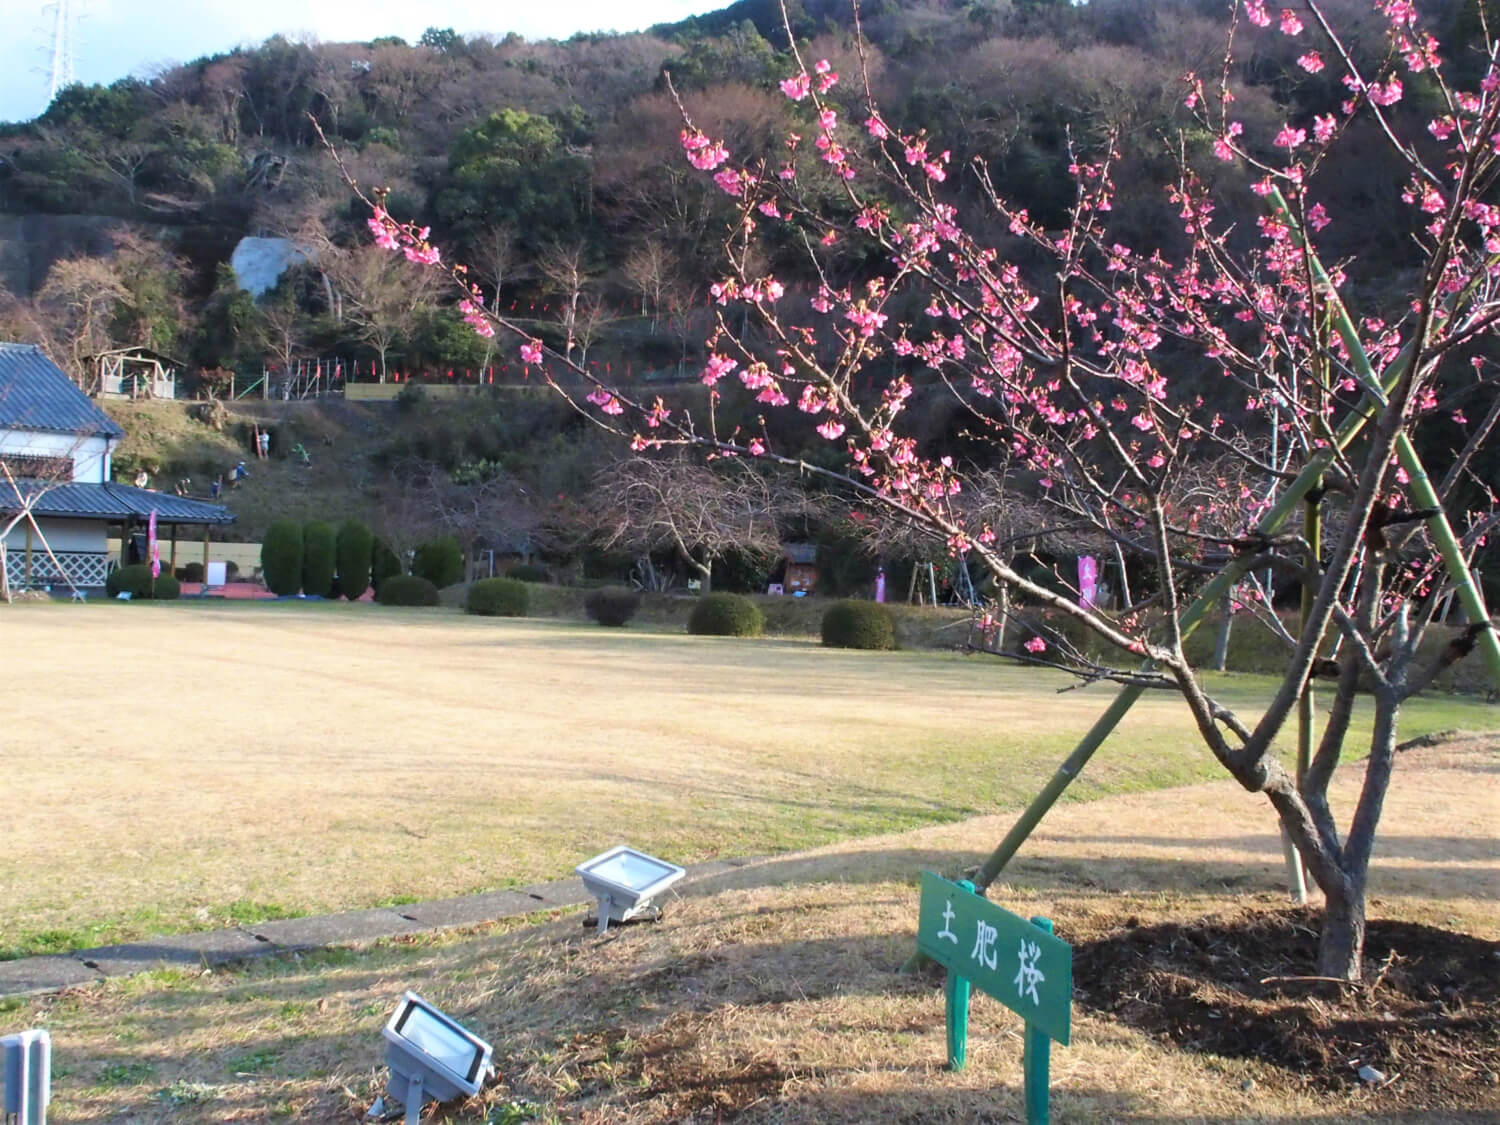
217 486
237 474
141 479
263 442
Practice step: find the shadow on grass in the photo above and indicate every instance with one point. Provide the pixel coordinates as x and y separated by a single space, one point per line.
1436 848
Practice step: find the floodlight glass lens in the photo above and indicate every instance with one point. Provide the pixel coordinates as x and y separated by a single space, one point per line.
629 870
439 1039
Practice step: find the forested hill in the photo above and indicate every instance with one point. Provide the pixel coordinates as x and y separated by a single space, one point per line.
554 168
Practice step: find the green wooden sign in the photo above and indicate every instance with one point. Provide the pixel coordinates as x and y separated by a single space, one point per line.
1016 961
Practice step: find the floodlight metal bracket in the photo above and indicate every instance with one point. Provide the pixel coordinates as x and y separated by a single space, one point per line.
413 1100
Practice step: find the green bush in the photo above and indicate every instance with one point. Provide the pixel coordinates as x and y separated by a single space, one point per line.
319 558
407 589
527 572
353 551
726 615
193 572
383 564
859 625
136 581
441 562
498 597
612 605
281 557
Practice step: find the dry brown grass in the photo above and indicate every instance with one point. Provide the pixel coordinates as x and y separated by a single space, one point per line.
190 765
768 995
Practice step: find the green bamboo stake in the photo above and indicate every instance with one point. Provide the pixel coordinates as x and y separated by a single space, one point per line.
1419 486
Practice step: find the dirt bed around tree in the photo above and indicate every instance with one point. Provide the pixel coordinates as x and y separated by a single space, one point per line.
1424 1028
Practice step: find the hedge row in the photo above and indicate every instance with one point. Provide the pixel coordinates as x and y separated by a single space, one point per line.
408 590
136 581
498 597
726 615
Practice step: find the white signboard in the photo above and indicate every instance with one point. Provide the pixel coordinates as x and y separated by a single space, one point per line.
215 574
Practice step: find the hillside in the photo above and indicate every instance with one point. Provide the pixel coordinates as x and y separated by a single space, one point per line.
554 167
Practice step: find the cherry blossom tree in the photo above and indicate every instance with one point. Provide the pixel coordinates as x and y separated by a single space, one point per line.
1087 376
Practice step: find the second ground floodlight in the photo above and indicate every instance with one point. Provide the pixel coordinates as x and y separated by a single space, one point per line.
431 1056
624 881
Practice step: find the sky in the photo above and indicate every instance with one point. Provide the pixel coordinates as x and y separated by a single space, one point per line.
116 38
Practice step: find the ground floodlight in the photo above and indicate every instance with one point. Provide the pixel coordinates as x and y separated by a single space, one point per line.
431 1056
27 1070
624 881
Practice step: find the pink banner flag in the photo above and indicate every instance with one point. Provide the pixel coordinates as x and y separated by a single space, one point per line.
153 548
1088 581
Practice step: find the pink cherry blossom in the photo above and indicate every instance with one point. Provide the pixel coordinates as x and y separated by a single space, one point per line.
532 352
1036 644
797 88
1312 62
717 367
1290 24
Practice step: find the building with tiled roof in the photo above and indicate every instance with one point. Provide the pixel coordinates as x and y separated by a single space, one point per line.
58 505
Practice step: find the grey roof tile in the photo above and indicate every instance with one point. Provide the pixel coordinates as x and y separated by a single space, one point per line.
35 394
82 500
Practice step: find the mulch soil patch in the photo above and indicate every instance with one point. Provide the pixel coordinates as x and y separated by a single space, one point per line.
1426 1017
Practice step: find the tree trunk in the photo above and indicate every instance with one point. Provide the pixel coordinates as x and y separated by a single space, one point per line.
1341 944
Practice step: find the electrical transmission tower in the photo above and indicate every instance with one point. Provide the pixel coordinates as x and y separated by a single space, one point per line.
64 20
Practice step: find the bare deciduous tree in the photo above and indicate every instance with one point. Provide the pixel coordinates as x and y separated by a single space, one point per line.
698 511
382 297
567 272
650 269
81 296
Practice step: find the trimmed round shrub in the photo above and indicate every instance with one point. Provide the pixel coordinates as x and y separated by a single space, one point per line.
136 581
193 572
498 597
726 615
231 571
441 562
527 572
281 557
318 559
612 605
859 625
354 550
383 564
407 589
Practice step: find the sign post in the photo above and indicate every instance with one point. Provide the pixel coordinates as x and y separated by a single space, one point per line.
1018 962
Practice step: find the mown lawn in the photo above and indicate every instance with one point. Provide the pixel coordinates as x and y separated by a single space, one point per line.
186 766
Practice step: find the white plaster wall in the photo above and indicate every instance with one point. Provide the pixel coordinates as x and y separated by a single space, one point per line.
91 455
62 535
